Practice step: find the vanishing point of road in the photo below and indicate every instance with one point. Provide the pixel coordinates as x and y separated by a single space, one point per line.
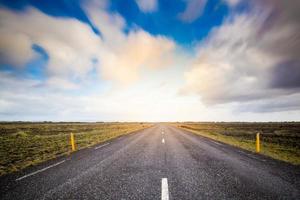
161 162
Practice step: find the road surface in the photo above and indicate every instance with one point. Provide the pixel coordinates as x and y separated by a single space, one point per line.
161 162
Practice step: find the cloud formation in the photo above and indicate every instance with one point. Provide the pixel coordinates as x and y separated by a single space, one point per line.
124 54
74 49
232 3
288 103
193 10
251 56
246 67
70 44
147 6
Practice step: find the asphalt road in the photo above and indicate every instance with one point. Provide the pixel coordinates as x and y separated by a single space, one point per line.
161 162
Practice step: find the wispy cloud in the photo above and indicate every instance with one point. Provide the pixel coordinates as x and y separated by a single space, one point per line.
104 66
232 3
70 44
74 51
251 56
123 55
73 47
147 6
193 10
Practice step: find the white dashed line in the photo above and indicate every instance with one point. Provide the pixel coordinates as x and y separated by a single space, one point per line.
163 140
164 189
216 143
98 147
41 170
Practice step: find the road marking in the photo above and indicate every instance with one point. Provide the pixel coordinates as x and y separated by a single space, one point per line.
103 145
41 170
163 140
164 189
216 143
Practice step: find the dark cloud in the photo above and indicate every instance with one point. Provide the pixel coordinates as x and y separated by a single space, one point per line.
284 24
286 75
286 103
253 56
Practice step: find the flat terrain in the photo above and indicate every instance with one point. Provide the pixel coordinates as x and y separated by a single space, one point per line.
278 140
160 162
27 144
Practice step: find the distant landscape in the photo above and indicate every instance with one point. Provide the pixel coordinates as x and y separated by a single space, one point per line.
24 144
279 140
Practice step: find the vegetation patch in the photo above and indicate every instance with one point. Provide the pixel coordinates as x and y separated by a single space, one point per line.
27 144
278 140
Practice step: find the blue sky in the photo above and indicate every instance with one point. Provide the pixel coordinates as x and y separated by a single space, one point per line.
165 21
149 60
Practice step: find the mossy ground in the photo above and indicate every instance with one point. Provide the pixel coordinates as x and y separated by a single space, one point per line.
27 144
278 140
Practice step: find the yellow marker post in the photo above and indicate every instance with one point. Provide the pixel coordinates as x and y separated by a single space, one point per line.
73 142
257 143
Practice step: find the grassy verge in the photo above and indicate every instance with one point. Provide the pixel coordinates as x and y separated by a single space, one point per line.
278 140
27 144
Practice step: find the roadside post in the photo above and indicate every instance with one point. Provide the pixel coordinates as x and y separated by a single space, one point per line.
257 143
73 142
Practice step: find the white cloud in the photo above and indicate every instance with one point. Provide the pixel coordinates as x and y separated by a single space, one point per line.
123 55
15 49
153 99
238 61
147 5
73 47
149 100
193 10
70 44
232 65
232 3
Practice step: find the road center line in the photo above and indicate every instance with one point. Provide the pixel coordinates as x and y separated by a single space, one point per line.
103 145
41 170
164 189
163 140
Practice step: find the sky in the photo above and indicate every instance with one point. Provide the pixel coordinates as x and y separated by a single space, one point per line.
149 60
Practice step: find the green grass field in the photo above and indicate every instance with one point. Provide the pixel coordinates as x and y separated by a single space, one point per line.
27 144
278 140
